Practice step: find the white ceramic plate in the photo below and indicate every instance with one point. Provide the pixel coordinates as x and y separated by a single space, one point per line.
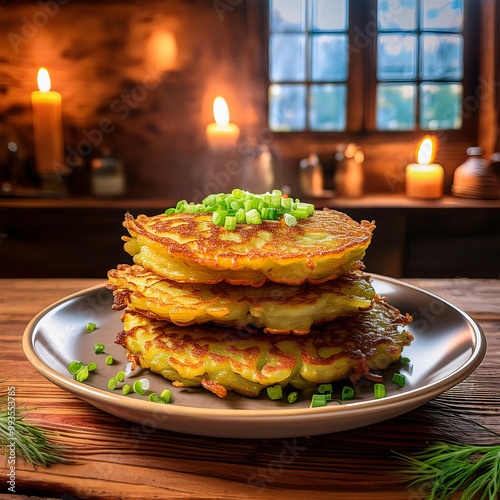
448 347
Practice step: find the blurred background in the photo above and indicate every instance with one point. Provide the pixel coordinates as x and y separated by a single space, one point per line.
328 100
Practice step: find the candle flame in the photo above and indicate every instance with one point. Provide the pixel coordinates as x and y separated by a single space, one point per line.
43 80
426 150
221 111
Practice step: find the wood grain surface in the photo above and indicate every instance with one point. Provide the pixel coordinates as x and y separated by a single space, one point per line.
117 459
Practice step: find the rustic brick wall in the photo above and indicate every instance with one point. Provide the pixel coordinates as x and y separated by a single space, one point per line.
151 112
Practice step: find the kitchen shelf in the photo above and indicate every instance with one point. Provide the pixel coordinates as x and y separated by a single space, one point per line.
82 237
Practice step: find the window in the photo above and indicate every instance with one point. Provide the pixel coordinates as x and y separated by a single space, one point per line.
308 53
410 76
419 64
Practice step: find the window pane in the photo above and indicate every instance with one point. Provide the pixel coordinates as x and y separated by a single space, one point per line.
288 15
445 15
397 15
328 107
329 15
397 57
440 106
287 58
287 105
441 57
329 57
396 106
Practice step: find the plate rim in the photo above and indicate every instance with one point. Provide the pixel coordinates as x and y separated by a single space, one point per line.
393 401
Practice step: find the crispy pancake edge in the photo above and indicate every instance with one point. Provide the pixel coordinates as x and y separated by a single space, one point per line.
368 341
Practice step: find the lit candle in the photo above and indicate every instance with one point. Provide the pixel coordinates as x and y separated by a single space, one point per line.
222 133
47 126
425 179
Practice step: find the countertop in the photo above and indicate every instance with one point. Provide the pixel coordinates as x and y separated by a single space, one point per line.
116 459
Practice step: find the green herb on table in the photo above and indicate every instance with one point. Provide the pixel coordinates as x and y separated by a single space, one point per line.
448 469
29 442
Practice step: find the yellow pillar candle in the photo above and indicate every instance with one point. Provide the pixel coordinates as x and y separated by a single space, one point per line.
47 126
425 179
222 134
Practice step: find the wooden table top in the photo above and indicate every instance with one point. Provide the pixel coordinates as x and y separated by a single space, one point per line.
114 458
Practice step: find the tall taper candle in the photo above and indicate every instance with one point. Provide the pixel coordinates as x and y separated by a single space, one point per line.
47 127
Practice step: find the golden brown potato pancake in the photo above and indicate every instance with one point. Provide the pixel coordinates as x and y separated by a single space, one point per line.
189 248
277 308
222 360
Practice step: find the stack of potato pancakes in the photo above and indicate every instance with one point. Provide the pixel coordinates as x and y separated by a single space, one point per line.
255 305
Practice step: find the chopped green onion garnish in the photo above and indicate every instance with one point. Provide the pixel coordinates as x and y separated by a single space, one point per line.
137 387
112 383
91 367
120 376
253 217
318 400
287 204
219 217
109 360
126 389
404 359
292 397
83 374
379 391
276 198
98 348
399 379
166 396
141 386
323 388
275 392
74 367
347 393
246 208
240 215
153 397
230 223
145 383
290 220
91 327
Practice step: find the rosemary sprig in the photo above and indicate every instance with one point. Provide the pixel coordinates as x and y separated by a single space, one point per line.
447 469
29 442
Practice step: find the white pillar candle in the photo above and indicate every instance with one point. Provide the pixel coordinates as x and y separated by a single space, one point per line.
222 134
425 179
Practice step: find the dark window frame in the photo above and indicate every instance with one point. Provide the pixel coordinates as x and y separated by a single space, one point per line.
362 80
